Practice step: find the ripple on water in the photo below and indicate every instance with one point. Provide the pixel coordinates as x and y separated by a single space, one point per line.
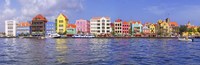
72 51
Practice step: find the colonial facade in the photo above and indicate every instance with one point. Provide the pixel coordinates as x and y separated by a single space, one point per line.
100 25
118 27
136 27
152 28
174 28
71 29
125 28
38 25
146 29
10 27
23 29
61 24
50 28
82 26
163 27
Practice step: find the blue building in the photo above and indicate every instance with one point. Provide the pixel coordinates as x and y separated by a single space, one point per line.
50 28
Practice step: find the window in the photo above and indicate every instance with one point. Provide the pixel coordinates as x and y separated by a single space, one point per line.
108 20
60 25
98 20
103 20
60 21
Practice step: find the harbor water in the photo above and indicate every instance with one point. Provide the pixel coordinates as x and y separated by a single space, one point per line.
98 51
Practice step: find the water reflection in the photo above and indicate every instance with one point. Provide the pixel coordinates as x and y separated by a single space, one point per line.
94 51
61 48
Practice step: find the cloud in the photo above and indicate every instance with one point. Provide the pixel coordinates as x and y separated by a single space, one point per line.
6 11
27 9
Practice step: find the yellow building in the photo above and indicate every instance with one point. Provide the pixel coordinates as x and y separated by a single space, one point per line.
152 28
61 24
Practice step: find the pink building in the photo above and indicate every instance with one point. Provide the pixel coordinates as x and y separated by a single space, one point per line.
125 27
82 26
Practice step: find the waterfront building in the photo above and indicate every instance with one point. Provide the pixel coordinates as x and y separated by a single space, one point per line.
174 28
38 25
2 34
100 25
61 24
146 29
50 28
163 27
71 29
125 28
23 29
136 27
82 26
192 29
10 28
152 28
118 27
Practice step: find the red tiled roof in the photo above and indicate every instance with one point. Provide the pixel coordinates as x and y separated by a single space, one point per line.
71 25
24 24
40 17
126 23
118 20
173 23
64 15
137 22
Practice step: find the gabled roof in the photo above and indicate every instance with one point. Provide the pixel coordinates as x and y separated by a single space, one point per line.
40 17
63 15
71 26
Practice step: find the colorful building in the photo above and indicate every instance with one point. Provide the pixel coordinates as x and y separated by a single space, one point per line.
100 25
146 29
125 28
71 29
163 27
118 27
38 25
23 29
136 27
174 28
152 28
50 28
82 26
192 29
10 28
61 24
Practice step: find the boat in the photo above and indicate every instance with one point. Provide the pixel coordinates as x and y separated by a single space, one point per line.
184 39
55 35
41 37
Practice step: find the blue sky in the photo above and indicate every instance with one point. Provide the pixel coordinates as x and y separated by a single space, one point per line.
180 11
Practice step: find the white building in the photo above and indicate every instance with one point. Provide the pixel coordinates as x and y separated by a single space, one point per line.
100 25
10 27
